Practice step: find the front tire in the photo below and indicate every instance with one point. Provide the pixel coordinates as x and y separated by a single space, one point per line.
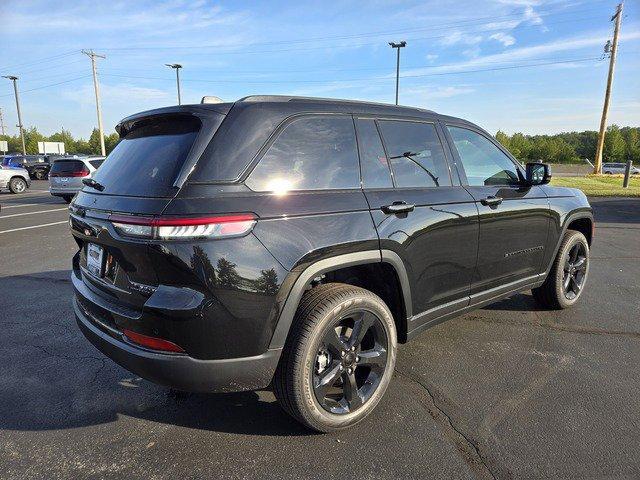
17 185
67 198
568 276
338 359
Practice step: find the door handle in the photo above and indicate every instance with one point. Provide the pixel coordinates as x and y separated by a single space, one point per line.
491 201
398 207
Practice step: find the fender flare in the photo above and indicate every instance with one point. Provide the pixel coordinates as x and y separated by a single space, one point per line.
334 263
570 218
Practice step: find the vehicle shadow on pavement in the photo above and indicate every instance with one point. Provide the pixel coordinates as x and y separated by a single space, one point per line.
521 302
52 378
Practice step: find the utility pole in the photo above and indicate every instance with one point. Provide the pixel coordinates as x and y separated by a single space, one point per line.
597 168
398 46
177 68
14 79
96 86
1 123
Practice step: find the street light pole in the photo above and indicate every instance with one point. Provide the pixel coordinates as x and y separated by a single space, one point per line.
13 78
398 46
177 68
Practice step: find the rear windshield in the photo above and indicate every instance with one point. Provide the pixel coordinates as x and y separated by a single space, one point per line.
67 166
148 159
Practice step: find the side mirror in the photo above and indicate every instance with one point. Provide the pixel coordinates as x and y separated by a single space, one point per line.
538 173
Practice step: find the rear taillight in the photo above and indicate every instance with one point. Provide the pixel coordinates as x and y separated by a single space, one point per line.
174 228
154 343
76 173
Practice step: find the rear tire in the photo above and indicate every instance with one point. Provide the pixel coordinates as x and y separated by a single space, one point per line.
39 175
17 185
326 379
568 276
67 198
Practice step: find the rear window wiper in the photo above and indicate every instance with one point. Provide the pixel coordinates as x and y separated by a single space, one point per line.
90 182
410 156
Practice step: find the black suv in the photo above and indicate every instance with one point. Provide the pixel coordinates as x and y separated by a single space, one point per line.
38 166
292 243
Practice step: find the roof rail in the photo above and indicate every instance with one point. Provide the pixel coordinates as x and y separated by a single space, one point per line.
291 98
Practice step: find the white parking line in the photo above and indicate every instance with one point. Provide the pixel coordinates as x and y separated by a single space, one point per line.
33 226
4 207
35 192
33 213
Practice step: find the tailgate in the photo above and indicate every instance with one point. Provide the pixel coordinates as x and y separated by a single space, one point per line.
118 269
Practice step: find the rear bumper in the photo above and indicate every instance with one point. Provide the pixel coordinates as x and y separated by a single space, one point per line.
181 371
57 192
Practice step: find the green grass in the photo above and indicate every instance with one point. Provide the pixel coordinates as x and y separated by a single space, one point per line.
601 185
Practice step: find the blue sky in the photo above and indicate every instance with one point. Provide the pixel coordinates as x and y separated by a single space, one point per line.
458 60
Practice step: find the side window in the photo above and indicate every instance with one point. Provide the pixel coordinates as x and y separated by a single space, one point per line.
483 162
311 153
416 154
373 161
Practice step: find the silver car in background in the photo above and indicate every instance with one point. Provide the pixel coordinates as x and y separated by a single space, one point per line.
15 179
66 175
611 168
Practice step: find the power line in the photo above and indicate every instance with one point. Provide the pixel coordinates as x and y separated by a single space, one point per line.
129 50
58 66
41 60
367 79
47 86
478 21
506 67
348 69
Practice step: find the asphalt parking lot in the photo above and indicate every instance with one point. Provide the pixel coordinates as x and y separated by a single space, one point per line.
508 391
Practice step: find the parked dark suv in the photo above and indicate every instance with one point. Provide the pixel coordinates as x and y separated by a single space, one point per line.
292 243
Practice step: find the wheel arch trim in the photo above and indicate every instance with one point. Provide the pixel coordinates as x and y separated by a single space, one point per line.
570 218
334 263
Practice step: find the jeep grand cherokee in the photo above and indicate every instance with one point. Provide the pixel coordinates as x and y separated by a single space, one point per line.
292 243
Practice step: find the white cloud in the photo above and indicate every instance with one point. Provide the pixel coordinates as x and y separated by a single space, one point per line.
458 37
568 44
531 16
504 38
122 93
430 92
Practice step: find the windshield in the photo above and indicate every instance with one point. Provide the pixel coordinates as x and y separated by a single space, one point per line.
148 159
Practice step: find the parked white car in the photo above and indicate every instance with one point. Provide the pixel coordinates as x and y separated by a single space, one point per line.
66 175
615 168
15 179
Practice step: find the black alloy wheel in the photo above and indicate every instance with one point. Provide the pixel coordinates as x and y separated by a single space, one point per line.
350 362
574 272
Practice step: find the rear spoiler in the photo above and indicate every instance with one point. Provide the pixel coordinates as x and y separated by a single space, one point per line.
201 111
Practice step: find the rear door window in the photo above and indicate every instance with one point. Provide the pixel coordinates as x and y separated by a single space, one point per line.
373 161
311 153
415 153
147 161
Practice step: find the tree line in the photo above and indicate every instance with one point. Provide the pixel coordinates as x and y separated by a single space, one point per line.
620 145
72 145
